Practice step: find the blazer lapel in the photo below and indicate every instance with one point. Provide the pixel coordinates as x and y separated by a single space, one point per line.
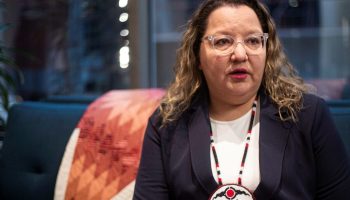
200 149
272 143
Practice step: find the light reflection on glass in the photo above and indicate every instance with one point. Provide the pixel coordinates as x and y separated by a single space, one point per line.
123 17
124 57
123 3
124 32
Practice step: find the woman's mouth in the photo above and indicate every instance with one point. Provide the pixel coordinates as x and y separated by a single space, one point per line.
239 73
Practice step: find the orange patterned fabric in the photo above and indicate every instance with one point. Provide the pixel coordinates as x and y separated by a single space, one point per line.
109 144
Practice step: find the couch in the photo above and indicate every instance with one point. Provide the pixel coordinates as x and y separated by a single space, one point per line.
31 154
38 144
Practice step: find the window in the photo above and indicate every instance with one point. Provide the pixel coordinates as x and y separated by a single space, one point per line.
315 34
92 46
69 47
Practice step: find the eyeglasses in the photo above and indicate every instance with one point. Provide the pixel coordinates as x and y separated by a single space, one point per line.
225 44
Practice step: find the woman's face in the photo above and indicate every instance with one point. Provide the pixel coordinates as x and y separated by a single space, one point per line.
234 78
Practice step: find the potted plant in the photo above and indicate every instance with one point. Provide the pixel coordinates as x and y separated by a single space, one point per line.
8 71
9 76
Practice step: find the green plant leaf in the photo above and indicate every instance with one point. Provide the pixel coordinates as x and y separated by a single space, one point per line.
4 97
6 61
9 63
7 78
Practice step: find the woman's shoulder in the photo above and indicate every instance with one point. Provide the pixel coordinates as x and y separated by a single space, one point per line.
314 107
156 120
312 100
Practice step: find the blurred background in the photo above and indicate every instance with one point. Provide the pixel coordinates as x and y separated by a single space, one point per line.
88 47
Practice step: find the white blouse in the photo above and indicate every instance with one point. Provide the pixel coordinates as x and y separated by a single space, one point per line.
229 141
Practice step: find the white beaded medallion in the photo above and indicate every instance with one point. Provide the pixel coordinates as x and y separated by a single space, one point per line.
231 192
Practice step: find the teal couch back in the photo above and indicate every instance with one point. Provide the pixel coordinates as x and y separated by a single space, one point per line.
34 143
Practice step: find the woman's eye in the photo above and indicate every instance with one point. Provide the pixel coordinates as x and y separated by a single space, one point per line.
254 41
223 42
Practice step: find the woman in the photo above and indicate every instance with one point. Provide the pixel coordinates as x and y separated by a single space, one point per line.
237 122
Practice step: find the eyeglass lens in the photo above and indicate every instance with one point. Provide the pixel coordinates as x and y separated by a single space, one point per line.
225 44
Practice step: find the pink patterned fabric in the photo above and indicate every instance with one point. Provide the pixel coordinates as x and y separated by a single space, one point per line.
107 153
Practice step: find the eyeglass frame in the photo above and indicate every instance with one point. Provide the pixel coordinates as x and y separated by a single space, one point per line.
211 39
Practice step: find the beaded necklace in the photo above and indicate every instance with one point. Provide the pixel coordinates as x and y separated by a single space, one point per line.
230 191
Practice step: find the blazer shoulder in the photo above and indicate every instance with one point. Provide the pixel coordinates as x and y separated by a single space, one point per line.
314 113
314 102
310 98
156 120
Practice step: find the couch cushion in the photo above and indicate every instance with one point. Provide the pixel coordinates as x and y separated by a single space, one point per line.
34 144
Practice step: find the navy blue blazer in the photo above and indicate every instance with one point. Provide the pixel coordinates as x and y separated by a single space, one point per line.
303 160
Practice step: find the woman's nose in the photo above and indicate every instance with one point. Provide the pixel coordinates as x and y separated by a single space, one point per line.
239 53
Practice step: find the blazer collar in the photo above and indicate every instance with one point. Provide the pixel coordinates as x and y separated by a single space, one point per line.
273 139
